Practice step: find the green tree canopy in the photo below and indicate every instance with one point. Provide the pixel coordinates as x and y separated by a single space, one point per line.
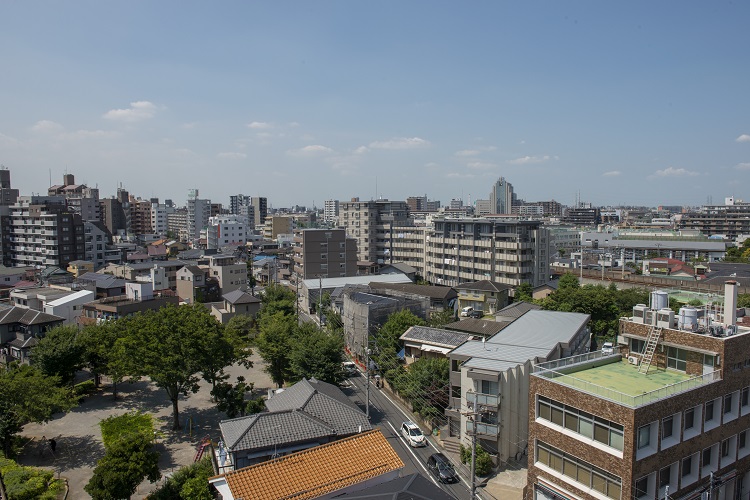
188 483
316 353
27 395
442 318
169 347
59 353
568 280
22 483
274 344
100 355
277 298
388 336
524 292
426 386
125 464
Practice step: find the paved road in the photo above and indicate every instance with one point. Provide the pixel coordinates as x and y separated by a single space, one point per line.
388 416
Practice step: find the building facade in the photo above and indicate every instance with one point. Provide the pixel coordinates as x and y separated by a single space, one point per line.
324 252
371 224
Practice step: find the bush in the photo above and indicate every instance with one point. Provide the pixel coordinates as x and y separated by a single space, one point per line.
189 482
84 388
483 464
28 483
128 425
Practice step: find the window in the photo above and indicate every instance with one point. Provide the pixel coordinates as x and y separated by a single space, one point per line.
706 457
664 476
578 471
644 436
745 399
709 411
641 487
676 358
687 466
666 427
727 403
637 345
455 365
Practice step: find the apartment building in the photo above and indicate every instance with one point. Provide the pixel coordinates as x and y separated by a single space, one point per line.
664 413
490 379
277 224
500 249
8 195
260 209
371 224
730 220
80 198
230 274
198 212
331 211
224 230
324 252
159 213
43 231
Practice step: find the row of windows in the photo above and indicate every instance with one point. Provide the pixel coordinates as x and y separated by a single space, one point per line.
581 422
580 471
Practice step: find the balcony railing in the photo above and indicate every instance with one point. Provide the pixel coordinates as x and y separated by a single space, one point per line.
483 428
482 399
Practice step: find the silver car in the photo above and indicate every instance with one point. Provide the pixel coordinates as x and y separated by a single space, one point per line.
413 434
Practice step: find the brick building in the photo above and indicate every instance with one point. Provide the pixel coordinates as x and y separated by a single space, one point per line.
663 414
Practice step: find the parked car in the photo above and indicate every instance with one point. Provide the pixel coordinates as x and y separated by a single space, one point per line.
442 468
476 314
350 369
413 434
608 348
466 311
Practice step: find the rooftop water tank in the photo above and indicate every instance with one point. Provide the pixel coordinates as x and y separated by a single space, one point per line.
659 300
687 319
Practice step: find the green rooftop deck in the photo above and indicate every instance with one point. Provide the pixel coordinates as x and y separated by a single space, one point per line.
619 381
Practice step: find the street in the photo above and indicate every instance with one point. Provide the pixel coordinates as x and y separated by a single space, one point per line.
388 416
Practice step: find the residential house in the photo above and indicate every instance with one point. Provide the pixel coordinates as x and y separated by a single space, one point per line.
35 297
360 461
79 267
104 285
231 274
20 330
235 303
425 342
191 284
515 311
442 298
10 276
481 328
305 415
310 290
487 296
139 297
70 307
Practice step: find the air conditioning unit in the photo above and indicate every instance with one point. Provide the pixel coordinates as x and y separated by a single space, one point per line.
634 360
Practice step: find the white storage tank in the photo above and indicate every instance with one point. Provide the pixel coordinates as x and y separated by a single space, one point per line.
687 319
659 300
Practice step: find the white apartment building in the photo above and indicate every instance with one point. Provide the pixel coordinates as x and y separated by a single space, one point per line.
331 211
230 274
197 217
223 230
159 213
371 224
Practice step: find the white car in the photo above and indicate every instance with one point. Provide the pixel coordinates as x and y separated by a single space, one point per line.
413 434
608 348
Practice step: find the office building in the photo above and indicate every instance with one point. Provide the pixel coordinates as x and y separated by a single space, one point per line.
664 413
327 253
260 209
502 197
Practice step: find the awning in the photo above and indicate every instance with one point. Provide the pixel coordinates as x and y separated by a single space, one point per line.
432 348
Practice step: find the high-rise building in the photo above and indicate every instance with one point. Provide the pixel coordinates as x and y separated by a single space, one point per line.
502 197
80 198
225 230
326 253
45 232
8 196
260 206
198 212
371 224
331 211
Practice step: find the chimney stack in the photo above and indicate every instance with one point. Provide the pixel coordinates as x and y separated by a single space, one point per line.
730 303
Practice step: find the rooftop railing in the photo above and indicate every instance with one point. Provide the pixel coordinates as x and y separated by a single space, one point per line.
628 399
577 359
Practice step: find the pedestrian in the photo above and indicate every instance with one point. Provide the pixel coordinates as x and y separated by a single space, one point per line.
52 445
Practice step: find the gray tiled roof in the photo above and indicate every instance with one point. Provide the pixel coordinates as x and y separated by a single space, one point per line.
263 430
517 309
411 487
239 297
313 408
434 292
435 336
26 317
102 280
484 286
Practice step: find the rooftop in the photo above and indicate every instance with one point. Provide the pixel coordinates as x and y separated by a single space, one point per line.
611 377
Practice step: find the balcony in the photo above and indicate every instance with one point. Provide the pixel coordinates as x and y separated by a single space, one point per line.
483 429
487 400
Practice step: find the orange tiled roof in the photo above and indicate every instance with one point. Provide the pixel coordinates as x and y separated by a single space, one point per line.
316 471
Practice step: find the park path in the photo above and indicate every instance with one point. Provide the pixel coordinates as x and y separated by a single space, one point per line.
79 441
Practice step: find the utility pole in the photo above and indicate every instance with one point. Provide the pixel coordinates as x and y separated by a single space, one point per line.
473 416
367 365
320 300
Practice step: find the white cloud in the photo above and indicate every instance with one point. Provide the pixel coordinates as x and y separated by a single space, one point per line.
89 134
743 138
139 110
313 149
612 173
232 156
468 152
7 141
459 175
742 166
674 172
361 150
400 143
46 126
259 125
525 160
294 124
481 165
189 126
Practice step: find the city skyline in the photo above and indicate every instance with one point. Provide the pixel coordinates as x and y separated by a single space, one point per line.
636 104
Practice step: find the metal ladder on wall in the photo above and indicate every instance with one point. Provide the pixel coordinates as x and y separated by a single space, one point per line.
648 352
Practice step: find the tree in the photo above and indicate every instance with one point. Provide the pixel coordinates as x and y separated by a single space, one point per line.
99 352
221 348
388 338
29 482
231 399
241 326
274 344
168 346
125 464
442 318
59 353
188 483
28 395
277 298
568 280
316 353
426 386
524 292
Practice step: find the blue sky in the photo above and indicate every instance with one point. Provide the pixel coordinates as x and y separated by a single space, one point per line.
640 103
